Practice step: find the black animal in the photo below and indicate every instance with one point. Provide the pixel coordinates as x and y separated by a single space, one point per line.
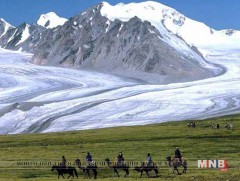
147 169
118 167
65 170
87 169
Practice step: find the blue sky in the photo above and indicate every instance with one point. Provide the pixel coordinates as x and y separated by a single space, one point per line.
218 14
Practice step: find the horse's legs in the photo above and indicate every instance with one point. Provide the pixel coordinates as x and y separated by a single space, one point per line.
147 173
115 171
141 174
177 170
88 173
127 173
84 172
184 170
62 175
156 172
95 174
117 174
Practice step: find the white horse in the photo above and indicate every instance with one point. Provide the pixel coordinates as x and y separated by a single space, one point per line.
228 126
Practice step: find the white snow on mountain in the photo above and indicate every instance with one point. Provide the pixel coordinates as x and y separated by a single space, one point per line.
49 99
194 33
149 11
51 20
152 12
6 26
25 34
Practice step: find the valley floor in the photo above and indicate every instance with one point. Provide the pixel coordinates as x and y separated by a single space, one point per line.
40 151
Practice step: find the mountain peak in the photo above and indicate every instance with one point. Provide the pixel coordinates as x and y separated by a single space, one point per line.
4 27
5 22
50 20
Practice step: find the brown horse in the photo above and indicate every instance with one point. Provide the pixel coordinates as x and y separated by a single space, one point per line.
62 170
175 163
118 167
87 169
147 168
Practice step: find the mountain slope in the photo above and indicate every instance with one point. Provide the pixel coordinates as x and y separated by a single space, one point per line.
4 27
123 39
194 33
91 40
25 37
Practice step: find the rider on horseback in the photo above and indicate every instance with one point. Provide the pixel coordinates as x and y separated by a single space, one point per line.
64 161
149 160
89 159
178 154
120 159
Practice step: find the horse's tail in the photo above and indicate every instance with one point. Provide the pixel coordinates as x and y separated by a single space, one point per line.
75 171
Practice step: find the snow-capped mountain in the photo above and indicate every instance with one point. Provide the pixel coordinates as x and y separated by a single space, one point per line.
51 20
194 33
147 40
132 39
120 45
25 37
4 27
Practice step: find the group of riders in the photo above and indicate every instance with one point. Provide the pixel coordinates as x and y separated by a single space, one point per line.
121 161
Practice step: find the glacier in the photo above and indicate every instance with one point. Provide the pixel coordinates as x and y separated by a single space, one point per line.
39 99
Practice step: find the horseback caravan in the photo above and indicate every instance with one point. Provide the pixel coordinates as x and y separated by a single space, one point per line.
147 167
120 165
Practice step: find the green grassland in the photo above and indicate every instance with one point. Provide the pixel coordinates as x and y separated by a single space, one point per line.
160 140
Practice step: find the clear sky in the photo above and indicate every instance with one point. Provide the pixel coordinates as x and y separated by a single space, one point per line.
218 14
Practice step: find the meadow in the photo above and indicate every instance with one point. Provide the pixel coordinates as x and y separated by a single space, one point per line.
30 156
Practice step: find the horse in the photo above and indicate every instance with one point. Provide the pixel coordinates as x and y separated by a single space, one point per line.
118 167
62 170
191 124
146 169
87 169
228 126
215 126
175 163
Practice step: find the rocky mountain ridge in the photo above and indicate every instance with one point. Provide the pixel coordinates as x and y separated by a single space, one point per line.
95 40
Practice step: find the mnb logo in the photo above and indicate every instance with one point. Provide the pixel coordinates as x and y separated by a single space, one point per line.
212 164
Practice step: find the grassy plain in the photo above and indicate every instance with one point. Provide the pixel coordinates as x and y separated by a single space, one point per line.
160 140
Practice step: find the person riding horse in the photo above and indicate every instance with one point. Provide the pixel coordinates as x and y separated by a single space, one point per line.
89 159
147 166
149 160
120 159
178 154
64 162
